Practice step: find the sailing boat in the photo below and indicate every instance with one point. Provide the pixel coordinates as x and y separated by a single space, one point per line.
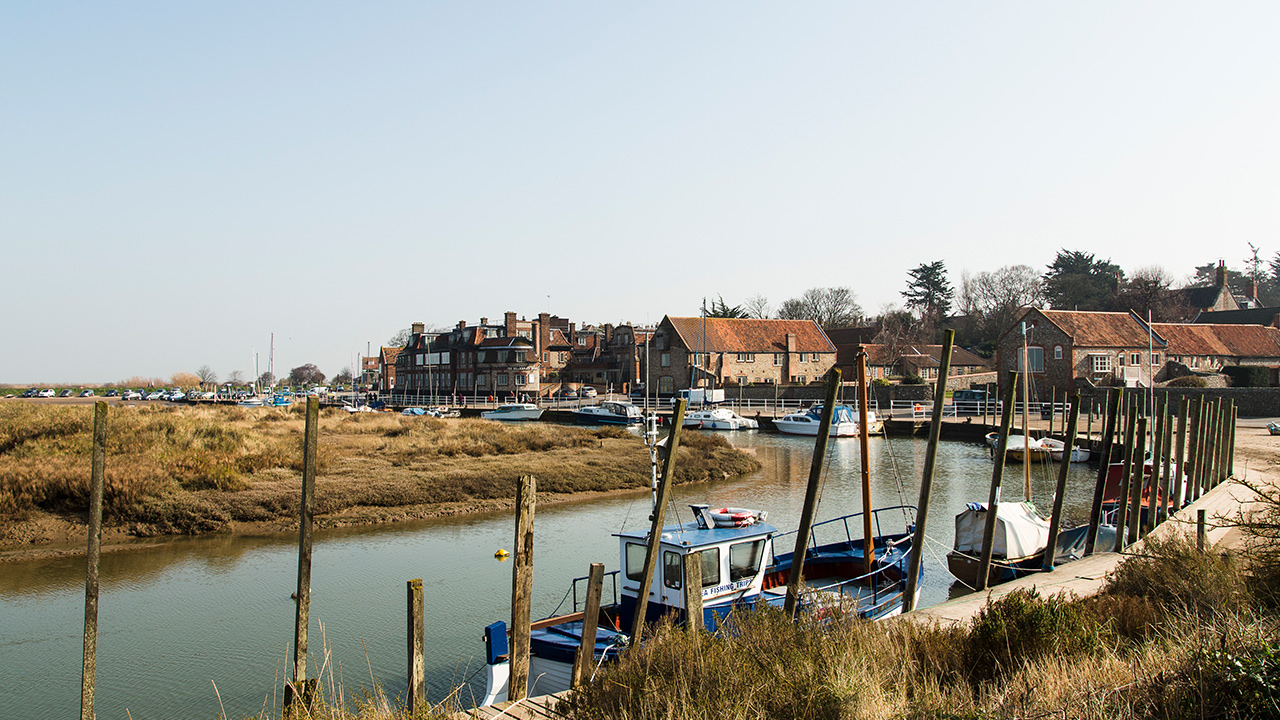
739 569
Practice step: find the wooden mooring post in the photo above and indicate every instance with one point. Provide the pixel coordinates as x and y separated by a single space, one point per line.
1122 498
585 659
657 518
1231 442
926 480
1055 520
1197 459
1136 484
299 694
417 647
1201 532
97 475
522 587
1180 455
693 592
811 490
997 475
1112 413
1224 438
1161 490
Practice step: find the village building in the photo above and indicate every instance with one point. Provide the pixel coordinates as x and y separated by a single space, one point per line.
886 361
387 369
481 360
718 352
1209 298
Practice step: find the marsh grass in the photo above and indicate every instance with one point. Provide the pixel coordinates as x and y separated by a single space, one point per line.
195 470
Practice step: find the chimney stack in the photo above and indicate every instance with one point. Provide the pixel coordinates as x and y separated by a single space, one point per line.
1220 277
1251 290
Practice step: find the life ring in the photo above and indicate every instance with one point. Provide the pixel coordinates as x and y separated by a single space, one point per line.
733 517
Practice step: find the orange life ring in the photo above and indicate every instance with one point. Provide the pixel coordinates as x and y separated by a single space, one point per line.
733 517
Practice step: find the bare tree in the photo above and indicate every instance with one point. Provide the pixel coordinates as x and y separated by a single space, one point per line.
1149 289
207 375
236 377
832 307
757 306
993 300
400 339
184 380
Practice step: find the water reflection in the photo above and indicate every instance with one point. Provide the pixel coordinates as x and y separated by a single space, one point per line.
180 616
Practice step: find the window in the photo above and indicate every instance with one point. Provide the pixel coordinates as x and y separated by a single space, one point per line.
582 340
710 567
1120 360
801 357
672 569
1102 363
546 357
742 379
482 379
564 357
1155 358
744 559
635 561
746 357
1057 352
502 380
1135 358
521 379
777 358
813 357
1036 356
665 359
666 385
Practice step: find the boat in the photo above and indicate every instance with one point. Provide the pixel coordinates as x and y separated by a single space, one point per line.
353 409
739 570
252 402
1057 449
718 419
1273 428
1018 546
511 412
1019 447
844 422
280 401
610 412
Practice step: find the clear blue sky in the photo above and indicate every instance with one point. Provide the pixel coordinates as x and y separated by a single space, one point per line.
180 180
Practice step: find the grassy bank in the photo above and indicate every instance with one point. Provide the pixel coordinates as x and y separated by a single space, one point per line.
195 470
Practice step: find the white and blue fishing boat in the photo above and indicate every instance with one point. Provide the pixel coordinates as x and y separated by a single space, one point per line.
610 412
739 569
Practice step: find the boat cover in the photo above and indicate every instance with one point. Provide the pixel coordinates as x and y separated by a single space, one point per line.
1020 531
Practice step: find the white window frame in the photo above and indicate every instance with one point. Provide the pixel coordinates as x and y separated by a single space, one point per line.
1100 363
777 359
1057 352
746 357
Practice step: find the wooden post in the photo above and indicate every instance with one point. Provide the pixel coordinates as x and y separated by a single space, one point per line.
417 647
926 481
97 475
693 591
1055 520
1201 535
864 445
1164 466
1211 445
1112 414
1193 447
585 659
1180 455
1089 431
1223 438
1136 483
1053 399
1122 498
522 587
299 691
1231 441
811 491
659 514
997 474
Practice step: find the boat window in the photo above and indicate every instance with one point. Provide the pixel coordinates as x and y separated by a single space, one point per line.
635 561
672 569
744 559
710 567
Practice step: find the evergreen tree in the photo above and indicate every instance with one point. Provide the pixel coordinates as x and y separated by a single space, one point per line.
929 292
1078 281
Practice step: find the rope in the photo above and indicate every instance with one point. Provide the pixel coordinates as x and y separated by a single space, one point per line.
897 477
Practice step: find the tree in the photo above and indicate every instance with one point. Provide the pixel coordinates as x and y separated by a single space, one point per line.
993 300
1150 290
898 331
267 379
236 377
343 377
721 310
207 375
184 380
1253 265
929 292
306 375
758 305
832 307
401 338
1078 281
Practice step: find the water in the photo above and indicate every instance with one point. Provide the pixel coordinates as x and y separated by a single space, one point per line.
195 619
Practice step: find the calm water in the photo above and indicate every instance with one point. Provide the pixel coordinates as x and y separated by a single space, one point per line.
198 614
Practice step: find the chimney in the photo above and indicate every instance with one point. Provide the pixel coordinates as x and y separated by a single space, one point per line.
544 331
1251 290
484 321
1220 277
462 324
791 342
417 328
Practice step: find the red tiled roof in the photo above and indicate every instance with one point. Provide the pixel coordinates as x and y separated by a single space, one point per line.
1095 329
389 355
558 340
1221 340
750 335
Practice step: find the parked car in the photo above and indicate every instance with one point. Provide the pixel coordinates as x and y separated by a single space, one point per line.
30 393
86 393
567 393
131 395
65 393
157 395
177 396
111 393
587 391
47 392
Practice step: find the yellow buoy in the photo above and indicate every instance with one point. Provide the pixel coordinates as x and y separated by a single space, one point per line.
501 554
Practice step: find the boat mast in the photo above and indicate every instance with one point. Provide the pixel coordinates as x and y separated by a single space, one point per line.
1026 436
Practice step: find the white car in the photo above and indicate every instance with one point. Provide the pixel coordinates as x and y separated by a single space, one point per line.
47 392
131 395
155 395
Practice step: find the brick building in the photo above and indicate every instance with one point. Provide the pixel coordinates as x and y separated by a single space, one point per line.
715 352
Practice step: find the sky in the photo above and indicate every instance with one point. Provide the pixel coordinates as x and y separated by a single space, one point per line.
180 182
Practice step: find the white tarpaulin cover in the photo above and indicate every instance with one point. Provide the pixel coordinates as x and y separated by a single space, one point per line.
1019 530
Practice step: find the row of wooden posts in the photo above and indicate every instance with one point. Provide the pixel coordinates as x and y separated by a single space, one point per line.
1203 455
